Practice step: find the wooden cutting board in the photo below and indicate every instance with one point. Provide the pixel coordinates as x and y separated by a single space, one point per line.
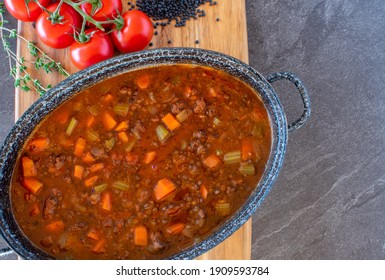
223 29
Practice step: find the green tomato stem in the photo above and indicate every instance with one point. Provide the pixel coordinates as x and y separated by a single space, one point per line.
81 37
56 18
77 8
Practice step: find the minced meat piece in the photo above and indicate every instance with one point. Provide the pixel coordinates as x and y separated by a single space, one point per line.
199 106
49 208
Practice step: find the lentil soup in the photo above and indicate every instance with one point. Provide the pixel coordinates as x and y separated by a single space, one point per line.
142 165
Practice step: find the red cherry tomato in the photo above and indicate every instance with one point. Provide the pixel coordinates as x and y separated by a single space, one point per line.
136 33
98 48
58 35
18 9
109 9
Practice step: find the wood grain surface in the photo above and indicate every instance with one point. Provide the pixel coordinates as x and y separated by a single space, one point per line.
227 35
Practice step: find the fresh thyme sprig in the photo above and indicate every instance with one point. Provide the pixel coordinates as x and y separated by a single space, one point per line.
17 65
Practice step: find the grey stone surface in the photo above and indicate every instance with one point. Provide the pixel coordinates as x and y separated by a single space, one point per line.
329 200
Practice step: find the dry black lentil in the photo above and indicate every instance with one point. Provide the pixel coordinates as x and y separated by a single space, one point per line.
167 11
132 6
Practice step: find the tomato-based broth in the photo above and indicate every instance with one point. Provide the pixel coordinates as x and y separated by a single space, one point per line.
142 165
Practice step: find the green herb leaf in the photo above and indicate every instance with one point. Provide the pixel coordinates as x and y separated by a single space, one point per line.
13 71
6 44
25 88
13 34
27 78
32 49
17 82
38 63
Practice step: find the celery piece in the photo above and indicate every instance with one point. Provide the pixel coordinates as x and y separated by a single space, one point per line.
92 135
71 126
136 133
222 208
258 129
183 145
120 185
216 121
162 133
93 109
121 109
232 157
219 152
100 188
110 143
182 116
247 169
130 145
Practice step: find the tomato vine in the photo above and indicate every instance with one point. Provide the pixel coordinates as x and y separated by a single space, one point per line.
77 25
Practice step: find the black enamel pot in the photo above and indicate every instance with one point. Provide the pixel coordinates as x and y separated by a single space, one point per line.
9 229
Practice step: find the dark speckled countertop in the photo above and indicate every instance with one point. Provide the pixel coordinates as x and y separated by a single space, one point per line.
329 200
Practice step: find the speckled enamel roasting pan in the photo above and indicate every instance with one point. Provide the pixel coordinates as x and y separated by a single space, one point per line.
9 229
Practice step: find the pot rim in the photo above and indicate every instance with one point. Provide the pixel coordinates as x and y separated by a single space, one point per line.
127 63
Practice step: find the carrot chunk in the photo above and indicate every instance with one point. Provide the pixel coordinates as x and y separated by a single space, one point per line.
52 170
65 142
63 116
163 188
91 181
170 122
38 144
204 191
32 185
187 91
212 161
99 247
132 158
93 234
96 167
257 114
149 157
34 210
55 227
175 228
143 81
78 171
108 121
79 147
107 98
90 121
123 136
88 158
29 169
105 201
123 126
140 236
247 148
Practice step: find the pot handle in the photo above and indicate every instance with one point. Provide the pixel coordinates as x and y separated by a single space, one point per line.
5 251
302 91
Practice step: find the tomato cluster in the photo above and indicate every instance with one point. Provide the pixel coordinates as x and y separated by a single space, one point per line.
92 29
